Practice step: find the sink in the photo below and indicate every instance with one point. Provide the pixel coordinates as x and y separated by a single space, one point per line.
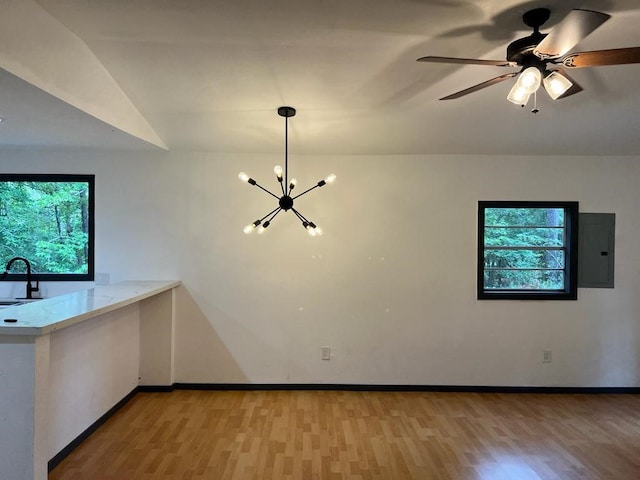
12 302
4 305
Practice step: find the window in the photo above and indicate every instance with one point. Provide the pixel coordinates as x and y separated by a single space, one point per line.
47 219
527 250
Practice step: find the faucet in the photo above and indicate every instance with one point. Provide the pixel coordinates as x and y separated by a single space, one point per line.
30 288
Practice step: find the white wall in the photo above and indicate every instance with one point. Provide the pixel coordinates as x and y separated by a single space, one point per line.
390 286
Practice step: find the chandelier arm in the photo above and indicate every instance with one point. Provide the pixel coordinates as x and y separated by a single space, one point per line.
276 210
306 191
301 217
265 190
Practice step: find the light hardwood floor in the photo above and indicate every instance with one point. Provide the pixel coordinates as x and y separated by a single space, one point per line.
362 435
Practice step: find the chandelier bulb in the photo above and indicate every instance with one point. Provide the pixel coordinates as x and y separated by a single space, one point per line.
312 229
251 227
292 183
278 171
263 227
245 178
330 179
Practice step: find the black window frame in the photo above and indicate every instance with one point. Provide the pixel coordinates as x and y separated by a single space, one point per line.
59 177
570 290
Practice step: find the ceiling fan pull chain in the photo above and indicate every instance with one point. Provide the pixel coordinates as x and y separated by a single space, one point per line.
535 102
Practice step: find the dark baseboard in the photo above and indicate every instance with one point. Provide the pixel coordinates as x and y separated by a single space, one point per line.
405 388
62 454
156 388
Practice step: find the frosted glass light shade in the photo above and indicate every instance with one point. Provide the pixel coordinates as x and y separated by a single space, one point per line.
556 84
527 83
530 79
518 95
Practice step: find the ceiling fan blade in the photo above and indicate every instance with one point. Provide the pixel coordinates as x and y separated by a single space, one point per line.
568 33
467 61
598 58
480 86
575 88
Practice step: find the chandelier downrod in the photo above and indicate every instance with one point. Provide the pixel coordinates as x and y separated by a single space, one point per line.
286 112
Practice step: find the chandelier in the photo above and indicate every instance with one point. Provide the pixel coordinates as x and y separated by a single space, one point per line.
285 200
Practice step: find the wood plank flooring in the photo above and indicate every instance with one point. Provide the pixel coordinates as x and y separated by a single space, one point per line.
219 435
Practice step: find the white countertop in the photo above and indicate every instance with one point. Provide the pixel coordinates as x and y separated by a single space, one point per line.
51 314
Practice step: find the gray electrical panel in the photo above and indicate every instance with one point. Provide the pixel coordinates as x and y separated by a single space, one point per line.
596 249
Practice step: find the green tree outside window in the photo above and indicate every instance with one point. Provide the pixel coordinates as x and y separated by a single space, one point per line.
48 219
526 248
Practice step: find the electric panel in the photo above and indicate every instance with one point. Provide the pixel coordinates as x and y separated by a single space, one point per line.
596 248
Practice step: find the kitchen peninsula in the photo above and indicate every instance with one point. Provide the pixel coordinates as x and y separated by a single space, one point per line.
67 360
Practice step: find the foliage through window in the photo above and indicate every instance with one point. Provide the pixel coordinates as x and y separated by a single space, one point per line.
527 250
47 219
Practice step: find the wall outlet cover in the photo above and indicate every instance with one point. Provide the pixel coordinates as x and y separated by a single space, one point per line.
326 353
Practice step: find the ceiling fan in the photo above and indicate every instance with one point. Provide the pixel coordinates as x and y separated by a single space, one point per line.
542 56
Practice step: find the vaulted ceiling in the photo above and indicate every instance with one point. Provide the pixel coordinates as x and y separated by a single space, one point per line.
209 75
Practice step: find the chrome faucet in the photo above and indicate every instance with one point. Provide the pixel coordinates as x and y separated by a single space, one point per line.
30 288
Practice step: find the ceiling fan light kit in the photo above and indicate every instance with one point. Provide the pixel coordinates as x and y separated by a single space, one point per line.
541 56
285 200
530 80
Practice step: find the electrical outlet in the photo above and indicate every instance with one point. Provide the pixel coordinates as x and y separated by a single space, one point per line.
102 279
546 356
326 353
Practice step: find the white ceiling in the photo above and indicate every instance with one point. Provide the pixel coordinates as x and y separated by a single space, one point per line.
210 74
